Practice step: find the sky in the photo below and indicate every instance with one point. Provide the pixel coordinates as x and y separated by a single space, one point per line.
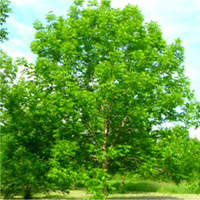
177 18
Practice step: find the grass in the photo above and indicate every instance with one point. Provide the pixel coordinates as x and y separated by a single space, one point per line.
151 186
154 196
81 194
135 184
74 194
132 190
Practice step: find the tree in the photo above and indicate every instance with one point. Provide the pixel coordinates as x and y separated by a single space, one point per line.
126 80
8 69
177 155
4 10
23 144
30 142
23 171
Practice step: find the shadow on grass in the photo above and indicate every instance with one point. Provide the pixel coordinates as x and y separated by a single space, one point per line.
121 197
124 197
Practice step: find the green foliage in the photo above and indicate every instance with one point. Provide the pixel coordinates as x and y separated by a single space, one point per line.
97 183
195 185
7 75
4 10
23 150
197 116
63 163
176 156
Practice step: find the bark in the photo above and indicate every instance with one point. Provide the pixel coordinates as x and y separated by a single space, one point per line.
27 192
122 181
105 144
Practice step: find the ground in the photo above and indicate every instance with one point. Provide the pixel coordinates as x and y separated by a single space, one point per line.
81 194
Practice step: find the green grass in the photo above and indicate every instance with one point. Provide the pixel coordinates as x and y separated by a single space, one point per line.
152 186
133 190
81 194
133 183
154 196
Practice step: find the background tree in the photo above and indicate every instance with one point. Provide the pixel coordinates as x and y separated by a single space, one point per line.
23 156
4 13
8 69
178 155
31 136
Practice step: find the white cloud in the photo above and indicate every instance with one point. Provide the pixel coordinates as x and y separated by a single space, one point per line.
195 133
16 42
43 7
21 37
21 29
197 2
23 2
192 73
17 48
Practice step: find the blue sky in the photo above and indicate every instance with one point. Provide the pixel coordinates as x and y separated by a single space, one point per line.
177 18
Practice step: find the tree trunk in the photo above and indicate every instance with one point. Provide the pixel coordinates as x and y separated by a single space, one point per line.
27 193
122 181
105 162
106 130
105 143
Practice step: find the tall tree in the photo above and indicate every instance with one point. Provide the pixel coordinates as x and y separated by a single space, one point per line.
126 80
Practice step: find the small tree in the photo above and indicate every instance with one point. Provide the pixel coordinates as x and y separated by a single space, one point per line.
178 157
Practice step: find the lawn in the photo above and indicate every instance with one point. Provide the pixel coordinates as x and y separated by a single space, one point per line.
134 190
81 194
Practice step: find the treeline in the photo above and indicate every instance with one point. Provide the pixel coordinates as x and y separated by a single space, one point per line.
93 104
